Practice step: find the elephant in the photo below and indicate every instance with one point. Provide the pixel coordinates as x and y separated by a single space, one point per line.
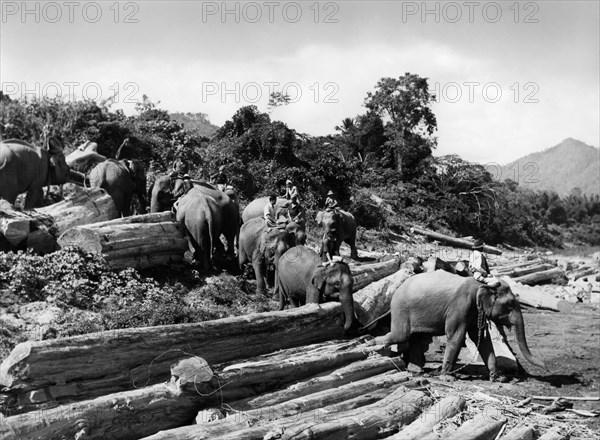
165 190
257 206
438 303
263 246
119 178
338 226
201 216
27 168
304 279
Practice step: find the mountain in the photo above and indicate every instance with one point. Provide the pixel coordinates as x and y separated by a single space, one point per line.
195 121
561 168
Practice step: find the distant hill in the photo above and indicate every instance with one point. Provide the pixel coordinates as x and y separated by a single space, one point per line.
561 168
196 121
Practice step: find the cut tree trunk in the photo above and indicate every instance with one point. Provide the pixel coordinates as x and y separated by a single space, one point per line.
540 277
86 366
374 300
535 297
355 371
519 433
193 386
505 358
509 267
457 242
83 206
582 273
519 272
448 407
367 273
140 242
554 433
483 426
27 229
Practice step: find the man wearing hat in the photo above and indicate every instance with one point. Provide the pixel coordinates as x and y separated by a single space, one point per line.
479 267
331 203
269 213
290 190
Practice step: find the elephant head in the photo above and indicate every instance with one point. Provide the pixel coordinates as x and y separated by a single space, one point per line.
165 190
333 281
501 306
58 170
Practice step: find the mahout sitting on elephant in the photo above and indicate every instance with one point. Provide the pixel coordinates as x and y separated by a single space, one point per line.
121 179
27 168
338 226
263 246
440 303
305 279
201 216
167 189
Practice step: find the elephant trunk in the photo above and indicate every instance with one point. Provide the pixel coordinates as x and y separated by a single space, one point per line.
347 301
516 319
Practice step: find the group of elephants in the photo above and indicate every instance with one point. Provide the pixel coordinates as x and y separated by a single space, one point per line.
429 304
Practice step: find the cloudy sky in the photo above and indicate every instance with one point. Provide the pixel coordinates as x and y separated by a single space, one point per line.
511 77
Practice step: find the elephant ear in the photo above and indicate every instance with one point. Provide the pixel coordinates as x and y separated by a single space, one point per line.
485 299
319 217
318 279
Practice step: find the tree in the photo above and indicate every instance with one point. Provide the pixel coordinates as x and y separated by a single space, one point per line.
404 105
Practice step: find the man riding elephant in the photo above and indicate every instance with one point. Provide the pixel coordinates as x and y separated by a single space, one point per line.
338 226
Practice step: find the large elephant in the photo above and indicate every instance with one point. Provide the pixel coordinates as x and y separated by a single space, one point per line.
338 226
27 168
263 246
166 189
303 279
121 179
201 216
256 208
438 303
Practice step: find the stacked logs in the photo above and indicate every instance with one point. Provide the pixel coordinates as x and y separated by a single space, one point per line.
140 241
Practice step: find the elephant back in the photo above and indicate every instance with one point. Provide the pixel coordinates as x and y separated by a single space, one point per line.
256 207
300 255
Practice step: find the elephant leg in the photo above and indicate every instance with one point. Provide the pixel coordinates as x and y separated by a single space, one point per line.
418 345
258 263
352 243
34 197
126 209
455 341
486 350
294 302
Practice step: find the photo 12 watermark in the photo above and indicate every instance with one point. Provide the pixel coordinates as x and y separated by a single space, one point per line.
470 12
453 92
270 12
70 12
520 172
252 92
127 92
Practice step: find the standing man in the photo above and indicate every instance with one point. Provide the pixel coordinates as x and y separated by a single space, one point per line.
269 213
290 190
479 266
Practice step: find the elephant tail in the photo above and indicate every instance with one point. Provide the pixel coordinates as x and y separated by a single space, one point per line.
373 323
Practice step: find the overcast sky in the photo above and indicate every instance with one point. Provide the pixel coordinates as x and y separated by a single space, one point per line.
512 78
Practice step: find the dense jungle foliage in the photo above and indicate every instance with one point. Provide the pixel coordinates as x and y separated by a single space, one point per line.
385 152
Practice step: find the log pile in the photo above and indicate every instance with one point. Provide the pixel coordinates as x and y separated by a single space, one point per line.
140 241
26 230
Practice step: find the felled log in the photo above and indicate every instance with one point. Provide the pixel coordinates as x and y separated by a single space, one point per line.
582 273
448 407
519 272
27 229
345 420
483 426
535 297
140 241
457 242
367 273
355 371
83 206
540 277
505 358
509 267
193 385
85 366
374 300
360 393
554 433
519 433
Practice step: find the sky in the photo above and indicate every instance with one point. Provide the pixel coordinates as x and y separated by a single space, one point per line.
511 78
